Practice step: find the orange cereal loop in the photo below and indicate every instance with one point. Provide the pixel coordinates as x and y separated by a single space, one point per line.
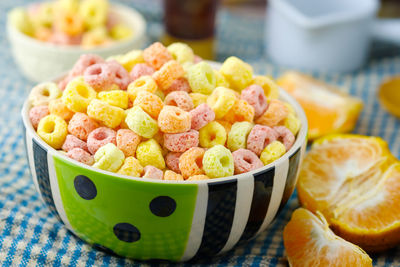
168 73
275 113
227 125
127 141
174 120
144 83
156 55
172 176
57 107
198 177
191 162
149 102
241 111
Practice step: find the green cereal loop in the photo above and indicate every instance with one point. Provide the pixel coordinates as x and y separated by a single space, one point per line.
218 162
109 158
141 123
237 137
201 78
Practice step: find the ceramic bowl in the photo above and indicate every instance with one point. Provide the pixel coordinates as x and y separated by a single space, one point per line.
146 219
41 61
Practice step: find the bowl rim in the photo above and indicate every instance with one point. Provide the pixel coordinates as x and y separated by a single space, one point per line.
300 141
139 33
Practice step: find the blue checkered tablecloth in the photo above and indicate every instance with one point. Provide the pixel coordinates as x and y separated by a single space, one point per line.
31 236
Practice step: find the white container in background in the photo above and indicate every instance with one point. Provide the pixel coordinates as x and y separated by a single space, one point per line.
325 35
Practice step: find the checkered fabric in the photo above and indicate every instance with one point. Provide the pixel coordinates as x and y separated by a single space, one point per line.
31 236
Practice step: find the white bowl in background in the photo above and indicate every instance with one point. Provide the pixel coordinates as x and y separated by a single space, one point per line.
40 61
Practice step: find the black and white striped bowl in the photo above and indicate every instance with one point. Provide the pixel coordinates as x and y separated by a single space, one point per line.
146 219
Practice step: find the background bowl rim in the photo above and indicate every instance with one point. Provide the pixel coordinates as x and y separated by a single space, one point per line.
139 33
299 142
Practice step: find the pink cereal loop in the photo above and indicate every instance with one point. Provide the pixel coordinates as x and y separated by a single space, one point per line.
83 63
259 137
254 95
81 125
99 76
172 161
180 142
121 75
153 173
180 84
100 137
180 99
201 116
139 70
245 161
37 113
71 142
284 135
81 155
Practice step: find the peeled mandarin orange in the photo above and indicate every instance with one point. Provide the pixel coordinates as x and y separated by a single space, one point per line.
309 242
354 181
328 109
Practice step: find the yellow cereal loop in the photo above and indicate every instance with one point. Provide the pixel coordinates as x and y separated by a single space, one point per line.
221 81
141 123
290 108
131 167
117 98
53 130
272 152
237 137
121 32
19 18
212 134
181 52
103 112
160 94
94 12
45 15
221 101
145 83
95 37
149 153
198 98
218 162
123 124
43 93
78 94
68 5
238 73
201 78
271 89
109 158
130 59
57 107
292 123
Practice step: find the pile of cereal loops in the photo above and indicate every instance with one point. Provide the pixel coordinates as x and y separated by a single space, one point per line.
71 22
163 113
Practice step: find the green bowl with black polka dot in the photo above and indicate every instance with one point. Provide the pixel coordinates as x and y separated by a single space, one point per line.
145 219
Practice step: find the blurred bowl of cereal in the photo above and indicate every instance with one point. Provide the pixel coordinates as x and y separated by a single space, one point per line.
47 38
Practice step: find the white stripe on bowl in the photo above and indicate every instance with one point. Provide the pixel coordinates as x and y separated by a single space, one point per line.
55 191
198 222
281 172
244 197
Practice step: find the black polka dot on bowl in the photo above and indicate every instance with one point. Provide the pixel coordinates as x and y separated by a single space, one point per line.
162 206
126 232
85 188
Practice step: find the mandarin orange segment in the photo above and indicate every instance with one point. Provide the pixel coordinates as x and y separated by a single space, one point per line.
328 109
355 182
309 242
